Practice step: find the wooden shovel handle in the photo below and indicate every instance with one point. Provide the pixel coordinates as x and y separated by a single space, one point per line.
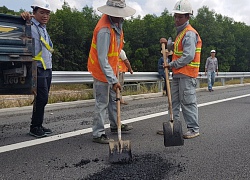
118 103
167 82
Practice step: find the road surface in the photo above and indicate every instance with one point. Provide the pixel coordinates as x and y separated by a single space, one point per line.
222 151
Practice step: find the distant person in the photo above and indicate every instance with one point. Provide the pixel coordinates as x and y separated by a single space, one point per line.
210 68
43 52
185 68
161 71
124 66
106 45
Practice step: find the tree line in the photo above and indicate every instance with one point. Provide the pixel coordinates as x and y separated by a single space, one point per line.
71 31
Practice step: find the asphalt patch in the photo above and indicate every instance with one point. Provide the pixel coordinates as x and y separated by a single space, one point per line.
82 163
147 167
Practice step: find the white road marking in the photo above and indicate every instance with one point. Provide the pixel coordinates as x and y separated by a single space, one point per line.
222 100
34 142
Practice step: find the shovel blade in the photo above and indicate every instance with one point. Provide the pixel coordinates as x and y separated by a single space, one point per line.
120 152
173 135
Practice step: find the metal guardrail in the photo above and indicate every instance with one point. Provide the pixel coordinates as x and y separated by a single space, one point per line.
226 75
74 77
63 77
136 79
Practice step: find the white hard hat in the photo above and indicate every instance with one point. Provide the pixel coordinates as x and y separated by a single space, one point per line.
183 7
213 51
44 4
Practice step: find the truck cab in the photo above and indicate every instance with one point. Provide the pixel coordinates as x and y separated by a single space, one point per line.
18 71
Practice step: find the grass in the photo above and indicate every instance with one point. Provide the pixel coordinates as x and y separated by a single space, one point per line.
67 93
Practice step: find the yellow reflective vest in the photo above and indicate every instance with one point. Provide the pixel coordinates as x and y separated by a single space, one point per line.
39 57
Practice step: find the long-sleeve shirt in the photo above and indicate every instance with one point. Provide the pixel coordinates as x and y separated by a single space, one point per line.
122 55
46 55
103 42
161 70
189 43
211 64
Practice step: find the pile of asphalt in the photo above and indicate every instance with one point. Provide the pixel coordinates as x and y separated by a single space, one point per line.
147 167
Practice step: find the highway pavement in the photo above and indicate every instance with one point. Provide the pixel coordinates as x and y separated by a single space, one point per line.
222 151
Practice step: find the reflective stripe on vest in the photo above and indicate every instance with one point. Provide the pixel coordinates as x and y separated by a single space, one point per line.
39 57
113 43
48 47
122 66
178 39
110 54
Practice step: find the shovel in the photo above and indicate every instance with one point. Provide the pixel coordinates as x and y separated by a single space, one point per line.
119 151
172 129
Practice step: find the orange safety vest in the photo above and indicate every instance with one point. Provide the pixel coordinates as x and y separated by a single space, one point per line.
122 66
113 53
191 69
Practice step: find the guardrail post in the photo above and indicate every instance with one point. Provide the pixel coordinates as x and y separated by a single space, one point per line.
223 81
159 85
138 86
198 83
242 80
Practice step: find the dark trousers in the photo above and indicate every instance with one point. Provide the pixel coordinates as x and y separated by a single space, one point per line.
165 83
44 78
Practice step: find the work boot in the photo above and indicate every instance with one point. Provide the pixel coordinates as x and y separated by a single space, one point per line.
46 130
37 132
124 127
103 139
190 134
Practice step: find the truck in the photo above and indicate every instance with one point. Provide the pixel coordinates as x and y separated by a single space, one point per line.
18 70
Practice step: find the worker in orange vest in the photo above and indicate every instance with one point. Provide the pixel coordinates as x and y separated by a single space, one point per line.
107 43
124 66
185 68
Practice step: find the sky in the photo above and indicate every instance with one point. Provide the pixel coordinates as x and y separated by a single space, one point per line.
236 9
